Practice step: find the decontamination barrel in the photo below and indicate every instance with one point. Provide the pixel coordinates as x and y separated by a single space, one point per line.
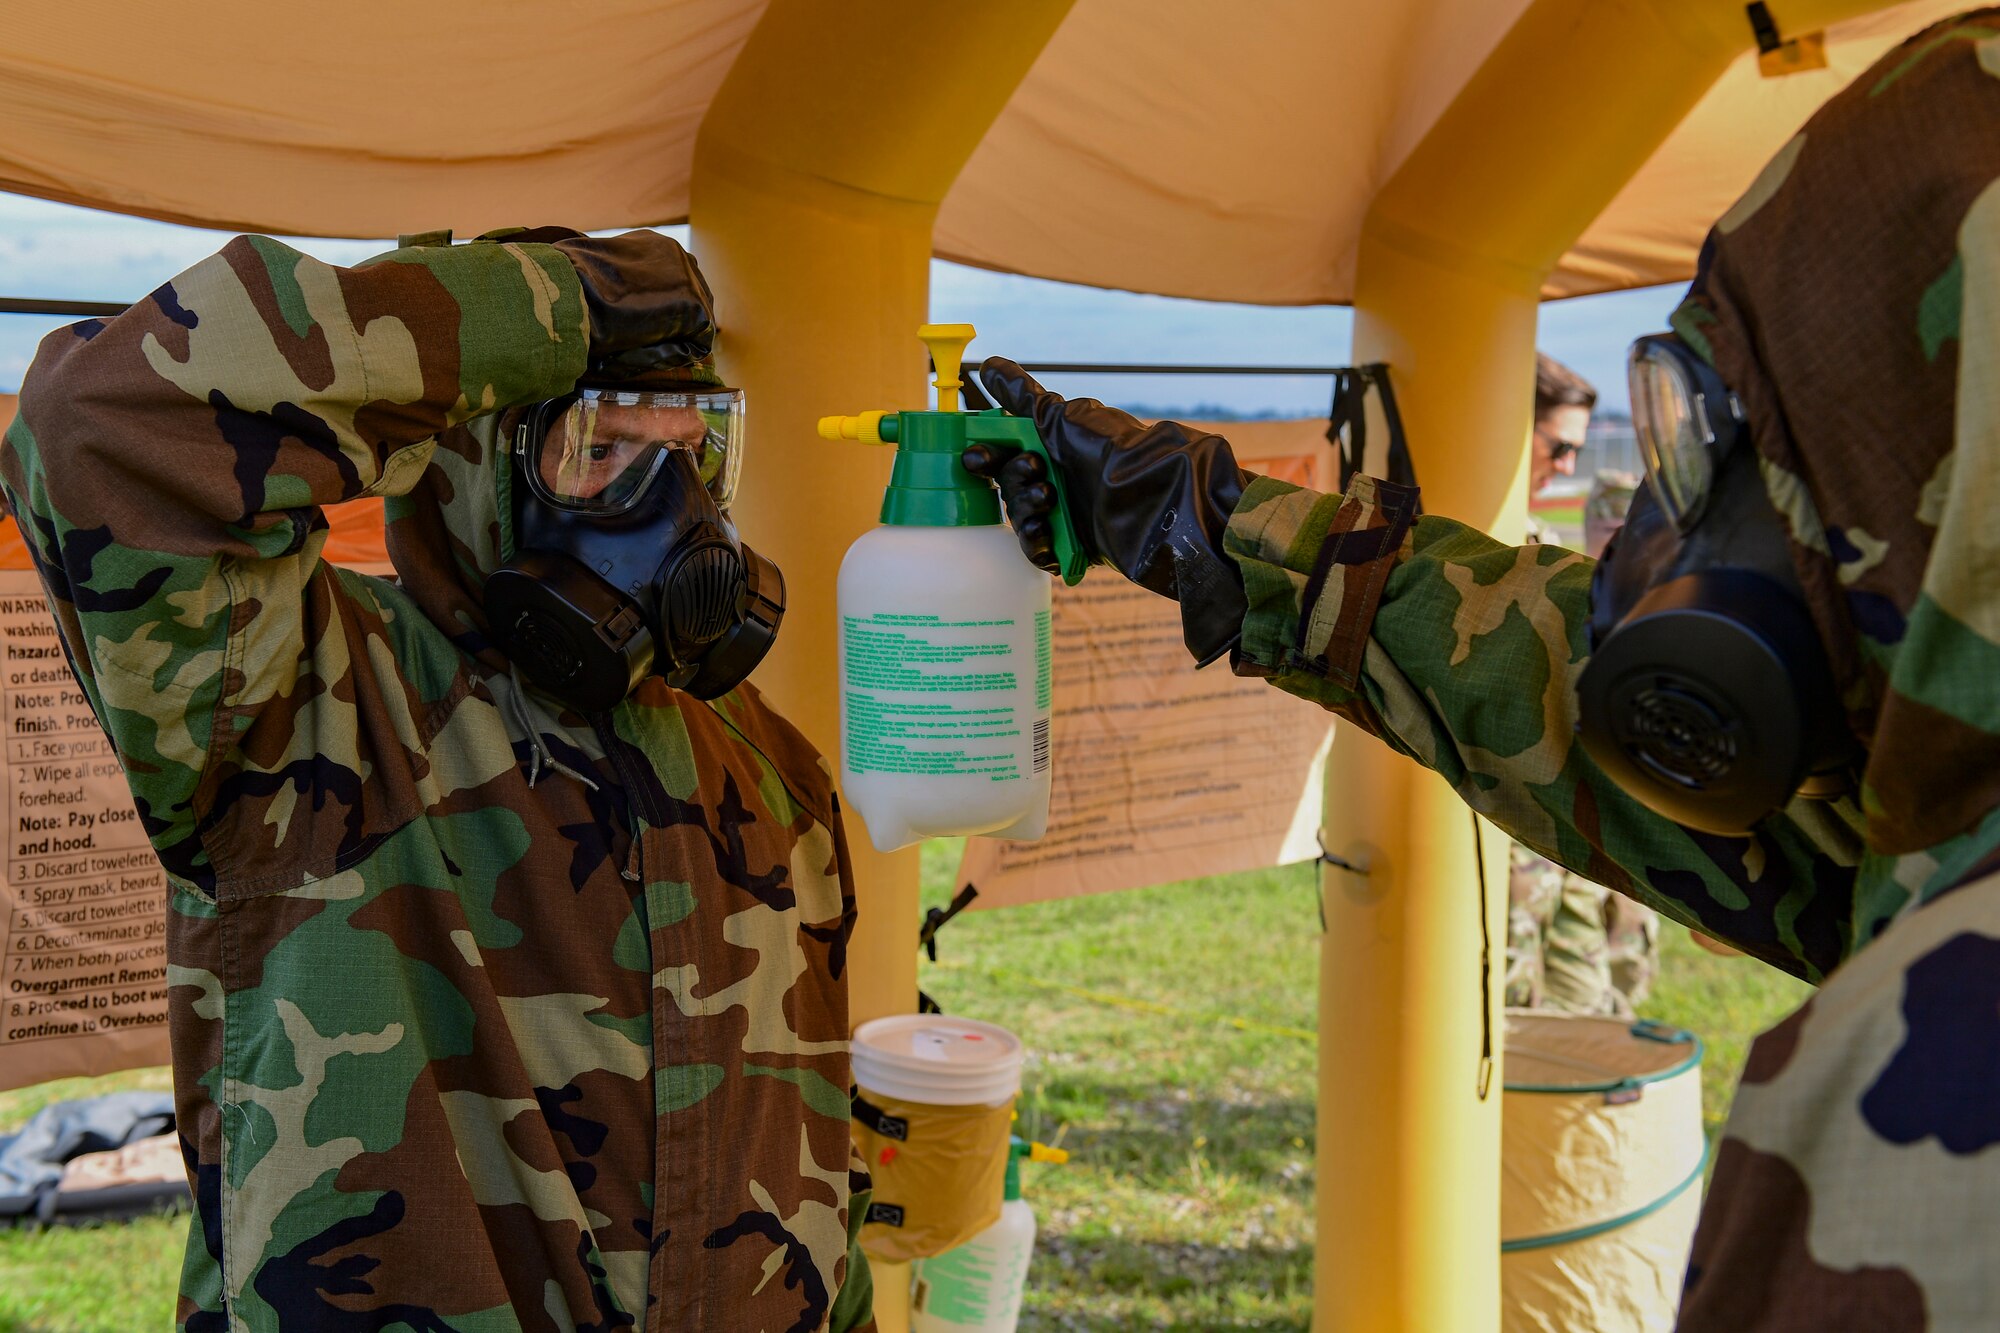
1602 1157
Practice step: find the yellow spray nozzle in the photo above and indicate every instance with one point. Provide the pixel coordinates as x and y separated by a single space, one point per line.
947 343
1042 1152
866 428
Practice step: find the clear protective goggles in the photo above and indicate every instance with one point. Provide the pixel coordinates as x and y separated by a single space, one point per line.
600 451
1686 419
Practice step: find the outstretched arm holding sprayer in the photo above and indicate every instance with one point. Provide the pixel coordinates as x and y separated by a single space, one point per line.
1284 580
1768 710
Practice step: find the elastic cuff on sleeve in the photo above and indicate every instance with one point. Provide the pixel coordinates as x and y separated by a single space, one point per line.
1314 567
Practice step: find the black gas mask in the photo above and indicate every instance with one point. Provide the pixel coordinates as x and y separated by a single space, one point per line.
1708 696
626 564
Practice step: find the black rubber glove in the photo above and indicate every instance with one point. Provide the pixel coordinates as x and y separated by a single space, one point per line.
650 308
1150 501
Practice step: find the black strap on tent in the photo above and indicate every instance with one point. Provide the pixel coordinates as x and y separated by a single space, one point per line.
937 917
1764 28
934 920
1483 1081
1347 425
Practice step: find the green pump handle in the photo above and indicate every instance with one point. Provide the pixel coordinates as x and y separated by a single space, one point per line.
929 486
996 427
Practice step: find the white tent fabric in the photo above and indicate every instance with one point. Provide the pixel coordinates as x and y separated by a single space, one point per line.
1233 149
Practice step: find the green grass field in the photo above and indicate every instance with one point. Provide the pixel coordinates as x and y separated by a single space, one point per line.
1171 1053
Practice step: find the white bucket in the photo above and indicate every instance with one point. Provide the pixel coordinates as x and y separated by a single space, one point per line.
938 1060
1602 1156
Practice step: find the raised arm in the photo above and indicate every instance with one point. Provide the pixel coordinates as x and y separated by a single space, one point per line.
167 468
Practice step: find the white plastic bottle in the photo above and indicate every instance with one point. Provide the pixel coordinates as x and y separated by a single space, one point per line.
977 1287
944 674
944 642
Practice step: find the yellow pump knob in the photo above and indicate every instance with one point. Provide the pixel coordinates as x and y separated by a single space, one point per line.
947 343
866 428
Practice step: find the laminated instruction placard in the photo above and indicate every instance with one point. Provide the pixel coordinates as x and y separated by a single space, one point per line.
83 950
1163 772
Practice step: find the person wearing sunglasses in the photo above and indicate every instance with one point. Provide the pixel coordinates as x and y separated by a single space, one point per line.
1771 710
1563 403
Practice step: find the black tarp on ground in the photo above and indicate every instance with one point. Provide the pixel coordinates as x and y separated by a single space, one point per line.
33 1161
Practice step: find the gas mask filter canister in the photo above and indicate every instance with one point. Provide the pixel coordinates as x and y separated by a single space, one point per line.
626 563
1707 697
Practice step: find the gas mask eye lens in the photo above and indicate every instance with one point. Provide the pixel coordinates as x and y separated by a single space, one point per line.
1670 418
601 451
606 475
720 449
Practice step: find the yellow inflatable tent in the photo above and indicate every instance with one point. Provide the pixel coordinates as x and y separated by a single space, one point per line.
1441 164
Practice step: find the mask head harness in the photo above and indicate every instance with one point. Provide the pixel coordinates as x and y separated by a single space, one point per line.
1707 697
626 563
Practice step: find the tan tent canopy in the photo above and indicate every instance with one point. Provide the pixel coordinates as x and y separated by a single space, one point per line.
1235 148
1181 146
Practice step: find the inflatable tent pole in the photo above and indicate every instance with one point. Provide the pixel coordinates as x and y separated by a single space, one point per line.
1572 102
817 175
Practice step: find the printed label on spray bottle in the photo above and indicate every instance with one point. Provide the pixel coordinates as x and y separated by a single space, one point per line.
938 697
977 1286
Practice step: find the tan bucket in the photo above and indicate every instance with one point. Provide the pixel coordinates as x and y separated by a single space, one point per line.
1602 1156
933 1105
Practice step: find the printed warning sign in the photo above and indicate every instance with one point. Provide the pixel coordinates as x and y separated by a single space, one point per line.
83 950
83 903
1162 772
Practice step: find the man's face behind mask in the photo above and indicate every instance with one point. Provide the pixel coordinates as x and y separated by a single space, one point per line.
626 563
611 464
598 452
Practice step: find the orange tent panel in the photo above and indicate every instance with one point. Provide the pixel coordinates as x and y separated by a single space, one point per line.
356 538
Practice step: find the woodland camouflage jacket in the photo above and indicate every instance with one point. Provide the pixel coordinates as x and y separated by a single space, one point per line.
455 1048
1409 627
1860 340
1851 301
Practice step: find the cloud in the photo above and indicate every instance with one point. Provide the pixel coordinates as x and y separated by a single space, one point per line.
59 250
1031 319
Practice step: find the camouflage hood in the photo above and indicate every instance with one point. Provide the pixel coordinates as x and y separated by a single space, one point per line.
455 527
1852 300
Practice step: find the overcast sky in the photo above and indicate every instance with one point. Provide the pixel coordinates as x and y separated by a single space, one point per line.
55 250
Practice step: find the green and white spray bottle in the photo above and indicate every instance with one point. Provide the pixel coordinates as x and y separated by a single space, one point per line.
977 1287
944 632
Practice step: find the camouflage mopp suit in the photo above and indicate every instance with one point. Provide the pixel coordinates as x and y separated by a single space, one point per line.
485 1015
1851 300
